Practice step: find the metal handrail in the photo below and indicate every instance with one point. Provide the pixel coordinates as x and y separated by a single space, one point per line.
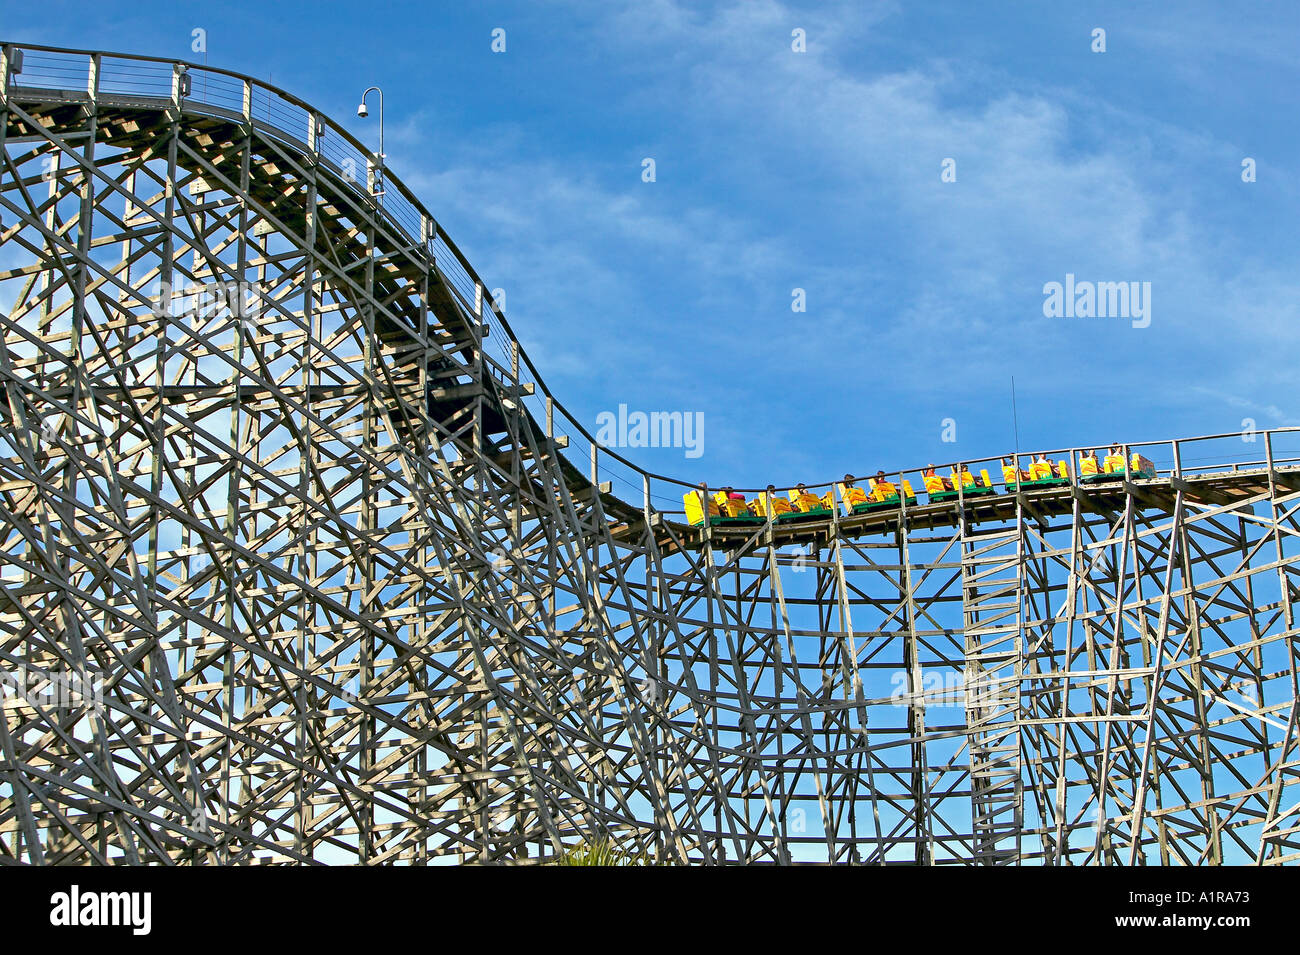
226 94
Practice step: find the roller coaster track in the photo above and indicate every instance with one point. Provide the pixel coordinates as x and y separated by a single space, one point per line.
319 571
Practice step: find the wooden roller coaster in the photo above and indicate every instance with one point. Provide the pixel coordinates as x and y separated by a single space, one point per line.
315 569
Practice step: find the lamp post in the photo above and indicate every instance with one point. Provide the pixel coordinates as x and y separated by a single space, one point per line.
363 112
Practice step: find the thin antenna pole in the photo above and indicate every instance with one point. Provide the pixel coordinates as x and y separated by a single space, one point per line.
1015 421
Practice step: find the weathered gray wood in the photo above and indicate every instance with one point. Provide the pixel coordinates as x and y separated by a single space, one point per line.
348 601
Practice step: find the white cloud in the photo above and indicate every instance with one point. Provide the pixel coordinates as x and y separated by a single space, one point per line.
780 169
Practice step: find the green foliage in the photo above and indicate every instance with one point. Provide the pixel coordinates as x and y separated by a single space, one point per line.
602 852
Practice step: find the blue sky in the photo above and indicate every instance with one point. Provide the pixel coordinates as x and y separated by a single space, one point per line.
820 170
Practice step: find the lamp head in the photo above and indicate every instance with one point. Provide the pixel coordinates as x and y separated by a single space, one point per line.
362 111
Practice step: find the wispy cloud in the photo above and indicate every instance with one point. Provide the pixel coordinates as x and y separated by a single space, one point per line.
821 171
780 170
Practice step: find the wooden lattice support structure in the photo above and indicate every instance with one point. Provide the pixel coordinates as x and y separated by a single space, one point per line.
337 588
